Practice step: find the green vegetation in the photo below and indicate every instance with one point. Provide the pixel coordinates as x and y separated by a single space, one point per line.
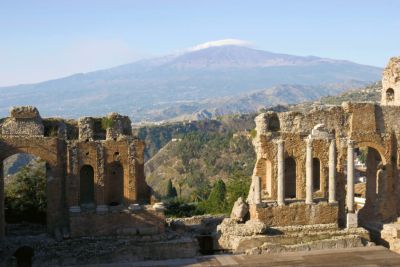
363 153
171 190
25 195
216 202
158 136
106 123
371 93
253 133
202 165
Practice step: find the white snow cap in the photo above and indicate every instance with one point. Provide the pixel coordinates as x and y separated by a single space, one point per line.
222 42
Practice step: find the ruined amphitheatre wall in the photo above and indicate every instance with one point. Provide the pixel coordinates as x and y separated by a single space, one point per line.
105 147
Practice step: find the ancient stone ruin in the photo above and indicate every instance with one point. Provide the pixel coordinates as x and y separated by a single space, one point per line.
305 172
95 177
302 197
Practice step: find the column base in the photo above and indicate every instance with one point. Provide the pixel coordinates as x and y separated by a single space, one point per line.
351 220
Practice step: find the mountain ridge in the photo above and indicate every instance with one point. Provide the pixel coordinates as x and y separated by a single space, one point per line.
139 88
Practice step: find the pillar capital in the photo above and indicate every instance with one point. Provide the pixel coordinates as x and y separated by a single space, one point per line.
280 142
350 143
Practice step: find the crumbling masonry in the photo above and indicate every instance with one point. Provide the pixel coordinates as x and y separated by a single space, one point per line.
94 168
305 170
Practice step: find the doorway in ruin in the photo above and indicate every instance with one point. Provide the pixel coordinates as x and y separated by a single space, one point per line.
115 185
290 178
370 183
24 256
86 186
25 198
316 174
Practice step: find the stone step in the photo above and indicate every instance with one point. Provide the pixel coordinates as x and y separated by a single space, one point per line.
303 228
348 241
245 243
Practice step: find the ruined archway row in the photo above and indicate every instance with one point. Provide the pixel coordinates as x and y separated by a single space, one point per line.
94 160
308 159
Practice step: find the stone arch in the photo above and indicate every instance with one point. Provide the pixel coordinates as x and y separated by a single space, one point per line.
115 184
86 185
316 174
374 186
379 148
290 177
389 95
47 149
37 168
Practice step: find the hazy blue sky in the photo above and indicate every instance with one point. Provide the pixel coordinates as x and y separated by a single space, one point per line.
47 39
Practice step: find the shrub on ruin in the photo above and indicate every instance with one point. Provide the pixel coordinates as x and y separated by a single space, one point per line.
106 123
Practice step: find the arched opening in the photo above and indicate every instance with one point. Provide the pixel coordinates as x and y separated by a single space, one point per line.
316 175
86 196
115 185
24 256
25 199
389 95
290 178
268 177
370 183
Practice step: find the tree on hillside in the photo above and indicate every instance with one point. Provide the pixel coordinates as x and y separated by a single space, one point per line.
237 186
216 201
171 190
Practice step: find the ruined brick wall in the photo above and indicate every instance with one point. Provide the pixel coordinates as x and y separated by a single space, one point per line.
142 222
391 83
49 150
368 125
67 146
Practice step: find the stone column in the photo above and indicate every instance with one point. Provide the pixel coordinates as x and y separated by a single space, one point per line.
281 173
257 189
332 171
309 172
350 176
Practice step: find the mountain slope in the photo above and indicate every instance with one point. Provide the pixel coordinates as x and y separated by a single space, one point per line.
229 153
139 88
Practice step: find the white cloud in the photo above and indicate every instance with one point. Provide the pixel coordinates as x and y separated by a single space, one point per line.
222 42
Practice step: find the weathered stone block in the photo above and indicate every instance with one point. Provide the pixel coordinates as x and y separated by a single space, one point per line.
352 220
239 210
295 214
